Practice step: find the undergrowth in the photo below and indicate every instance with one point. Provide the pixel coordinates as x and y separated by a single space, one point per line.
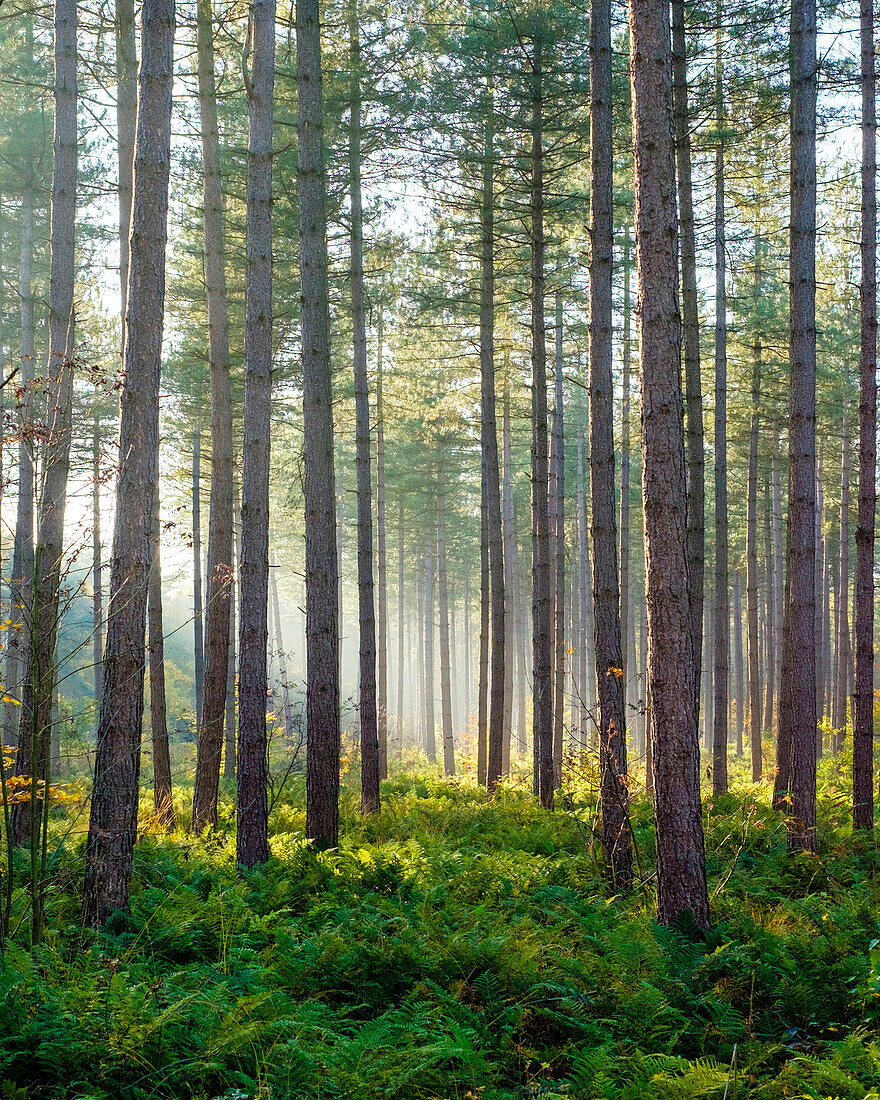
455 949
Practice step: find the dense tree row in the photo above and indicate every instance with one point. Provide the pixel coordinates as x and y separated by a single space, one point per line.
384 282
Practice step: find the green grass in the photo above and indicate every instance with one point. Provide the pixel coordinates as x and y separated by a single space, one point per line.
455 949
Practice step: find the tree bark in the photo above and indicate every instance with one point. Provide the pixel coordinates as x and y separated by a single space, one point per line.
381 562
681 868
542 597
322 571
252 814
510 568
113 820
863 694
722 594
198 623
220 574
489 457
485 621
229 750
696 472
443 608
796 743
738 660
770 569
428 678
616 840
558 497
841 679
401 624
371 769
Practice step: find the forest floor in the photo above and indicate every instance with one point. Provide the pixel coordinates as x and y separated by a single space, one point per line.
455 949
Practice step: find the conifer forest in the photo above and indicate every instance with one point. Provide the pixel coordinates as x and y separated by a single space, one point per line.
438 487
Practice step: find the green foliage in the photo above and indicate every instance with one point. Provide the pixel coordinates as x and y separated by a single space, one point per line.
454 948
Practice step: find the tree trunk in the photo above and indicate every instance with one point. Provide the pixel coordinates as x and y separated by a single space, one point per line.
22 571
252 814
818 579
212 696
489 458
542 596
770 564
796 743
198 624
371 768
841 679
738 660
627 615
863 694
381 565
126 125
163 798
443 608
558 495
428 678
113 820
722 595
616 839
483 685
322 575
510 570
696 473
752 553
401 623
97 564
229 751
681 868
287 708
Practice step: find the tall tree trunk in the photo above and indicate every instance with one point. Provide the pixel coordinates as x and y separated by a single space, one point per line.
443 608
371 769
381 563
401 623
220 574
752 549
770 565
510 567
841 679
252 815
681 868
796 743
322 599
489 456
819 577
616 839
198 624
778 558
722 594
428 678
588 616
113 820
738 659
229 751
485 613
627 618
97 564
696 473
558 494
163 798
22 571
542 596
863 694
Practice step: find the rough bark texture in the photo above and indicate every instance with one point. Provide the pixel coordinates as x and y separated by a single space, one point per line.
722 593
443 608
198 622
162 794
616 839
696 473
489 461
844 656
381 564
863 695
113 821
681 868
220 574
370 762
557 495
796 743
542 601
752 571
322 573
252 841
